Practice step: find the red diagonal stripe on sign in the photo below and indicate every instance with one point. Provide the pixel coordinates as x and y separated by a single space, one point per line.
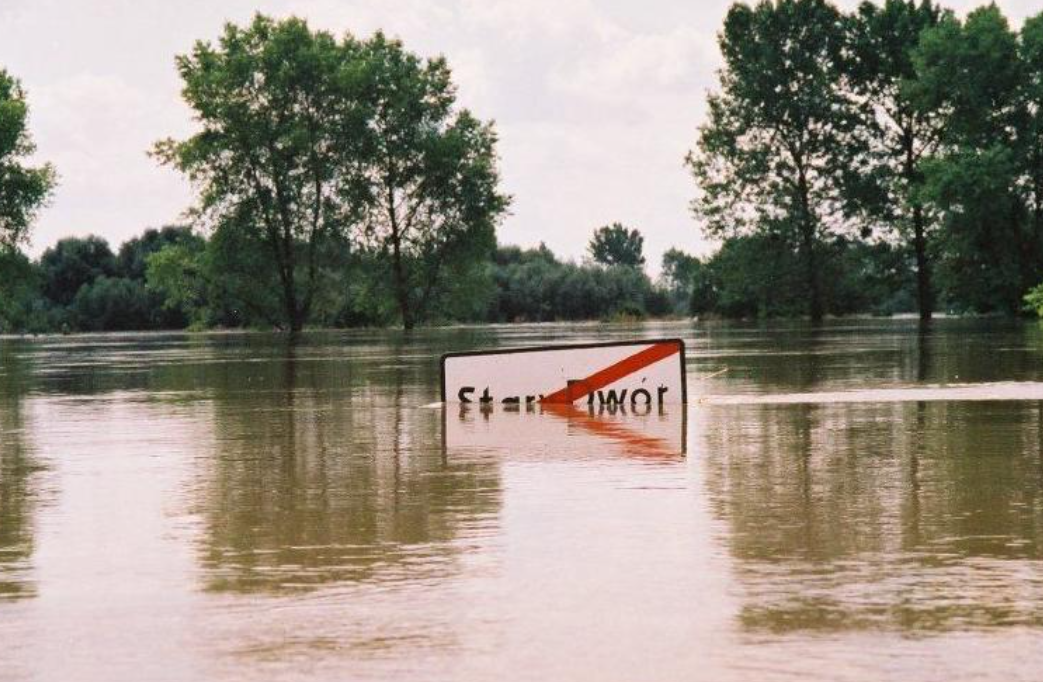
637 444
613 373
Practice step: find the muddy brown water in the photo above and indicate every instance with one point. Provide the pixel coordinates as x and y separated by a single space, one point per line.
858 501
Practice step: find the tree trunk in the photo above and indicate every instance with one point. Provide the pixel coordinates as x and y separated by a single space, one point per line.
294 315
924 297
403 306
923 267
291 310
807 234
401 290
398 269
811 273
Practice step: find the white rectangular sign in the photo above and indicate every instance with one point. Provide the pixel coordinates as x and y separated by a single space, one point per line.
629 373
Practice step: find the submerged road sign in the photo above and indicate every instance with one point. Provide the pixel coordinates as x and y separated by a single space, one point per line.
629 373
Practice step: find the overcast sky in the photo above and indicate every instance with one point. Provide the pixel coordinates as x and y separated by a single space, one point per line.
596 103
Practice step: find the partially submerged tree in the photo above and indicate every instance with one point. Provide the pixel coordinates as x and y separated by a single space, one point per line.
973 70
678 270
22 307
778 147
428 176
112 304
616 245
904 126
23 188
309 142
1031 137
679 275
177 274
279 148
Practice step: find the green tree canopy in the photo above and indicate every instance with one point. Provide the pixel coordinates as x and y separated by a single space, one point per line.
280 107
616 245
72 263
903 126
310 142
112 304
679 268
177 272
429 176
23 188
533 285
973 69
132 260
22 308
778 148
1031 51
682 274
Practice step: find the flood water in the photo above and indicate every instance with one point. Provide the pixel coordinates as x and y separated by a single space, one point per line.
859 501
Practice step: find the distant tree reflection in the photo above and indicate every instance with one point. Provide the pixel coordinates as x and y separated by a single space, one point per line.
19 468
909 516
325 472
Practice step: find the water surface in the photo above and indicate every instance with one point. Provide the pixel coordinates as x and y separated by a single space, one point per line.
862 500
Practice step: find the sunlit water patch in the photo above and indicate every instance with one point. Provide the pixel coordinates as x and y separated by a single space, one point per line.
1009 390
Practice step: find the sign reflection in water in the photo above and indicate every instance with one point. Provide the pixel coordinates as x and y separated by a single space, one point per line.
568 431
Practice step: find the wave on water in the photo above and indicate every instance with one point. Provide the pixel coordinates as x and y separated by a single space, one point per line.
1010 390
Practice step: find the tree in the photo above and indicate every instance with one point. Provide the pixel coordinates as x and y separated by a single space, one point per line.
973 70
904 127
132 260
1031 133
23 189
1034 300
177 274
679 273
703 298
278 153
72 263
760 276
112 304
22 305
526 281
756 276
429 177
532 285
678 268
690 282
616 245
778 149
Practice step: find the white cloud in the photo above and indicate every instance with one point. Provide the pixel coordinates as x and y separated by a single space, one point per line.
642 62
529 20
96 130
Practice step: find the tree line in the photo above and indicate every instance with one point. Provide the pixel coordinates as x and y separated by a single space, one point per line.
883 160
174 278
894 130
315 153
